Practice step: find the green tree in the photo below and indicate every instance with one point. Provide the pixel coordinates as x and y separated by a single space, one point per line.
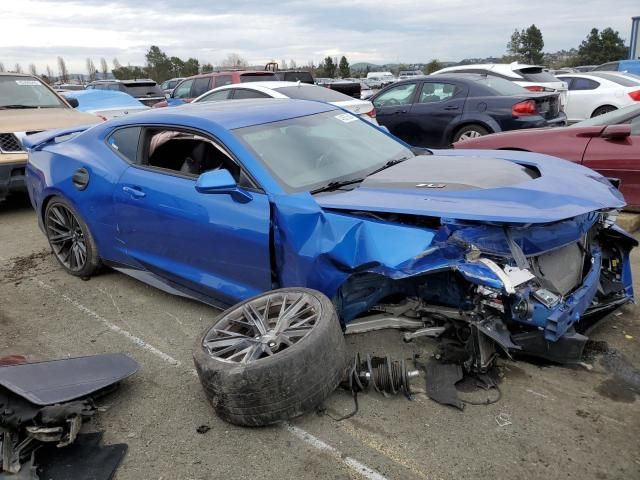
328 67
191 67
601 47
532 45
343 67
206 68
526 46
177 66
433 66
158 64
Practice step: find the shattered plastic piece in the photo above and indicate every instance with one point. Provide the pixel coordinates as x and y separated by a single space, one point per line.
441 383
58 381
203 429
503 419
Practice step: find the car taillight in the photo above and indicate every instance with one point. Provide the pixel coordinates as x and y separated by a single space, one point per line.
635 95
372 113
528 107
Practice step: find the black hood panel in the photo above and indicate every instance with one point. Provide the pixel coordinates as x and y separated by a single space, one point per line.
434 172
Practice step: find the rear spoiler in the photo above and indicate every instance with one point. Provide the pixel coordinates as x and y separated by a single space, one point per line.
37 141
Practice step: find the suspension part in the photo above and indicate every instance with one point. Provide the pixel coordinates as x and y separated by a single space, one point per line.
386 376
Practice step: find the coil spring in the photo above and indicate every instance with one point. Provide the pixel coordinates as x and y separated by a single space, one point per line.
385 375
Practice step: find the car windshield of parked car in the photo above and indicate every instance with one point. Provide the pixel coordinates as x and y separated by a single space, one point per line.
139 89
26 92
501 86
536 74
313 92
310 152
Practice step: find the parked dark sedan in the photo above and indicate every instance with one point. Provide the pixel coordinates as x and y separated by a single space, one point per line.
437 111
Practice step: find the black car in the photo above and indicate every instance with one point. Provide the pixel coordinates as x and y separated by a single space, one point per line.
144 89
440 110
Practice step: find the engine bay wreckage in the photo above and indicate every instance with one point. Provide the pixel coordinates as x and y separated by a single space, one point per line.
524 276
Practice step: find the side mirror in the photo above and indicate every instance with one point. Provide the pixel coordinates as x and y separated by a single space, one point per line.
72 101
616 132
221 182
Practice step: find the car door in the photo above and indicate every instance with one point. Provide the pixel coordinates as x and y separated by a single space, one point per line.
213 244
436 106
618 159
582 98
392 108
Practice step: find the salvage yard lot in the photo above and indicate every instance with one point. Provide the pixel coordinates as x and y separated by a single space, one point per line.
565 423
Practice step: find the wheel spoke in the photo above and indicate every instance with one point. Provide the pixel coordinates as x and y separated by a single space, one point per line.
254 318
60 238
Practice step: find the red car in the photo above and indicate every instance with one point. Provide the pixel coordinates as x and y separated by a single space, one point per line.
193 87
609 144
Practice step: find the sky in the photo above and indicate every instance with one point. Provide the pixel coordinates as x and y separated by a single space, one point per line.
389 31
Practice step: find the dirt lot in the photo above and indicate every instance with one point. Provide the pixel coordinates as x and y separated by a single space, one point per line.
565 423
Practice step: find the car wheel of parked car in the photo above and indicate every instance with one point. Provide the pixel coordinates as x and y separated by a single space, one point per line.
602 110
70 238
469 131
272 357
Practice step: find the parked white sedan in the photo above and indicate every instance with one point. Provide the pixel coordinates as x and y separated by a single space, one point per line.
594 93
295 90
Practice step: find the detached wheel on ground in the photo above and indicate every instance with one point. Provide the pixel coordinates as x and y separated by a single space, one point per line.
602 110
70 238
272 357
469 131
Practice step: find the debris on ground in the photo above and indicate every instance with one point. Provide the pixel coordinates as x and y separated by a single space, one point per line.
42 408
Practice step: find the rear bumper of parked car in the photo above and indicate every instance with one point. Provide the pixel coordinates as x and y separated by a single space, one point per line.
12 168
536 121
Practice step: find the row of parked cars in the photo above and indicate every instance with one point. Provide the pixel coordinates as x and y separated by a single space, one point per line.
452 106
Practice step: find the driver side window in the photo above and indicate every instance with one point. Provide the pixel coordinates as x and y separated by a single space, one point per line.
187 154
400 95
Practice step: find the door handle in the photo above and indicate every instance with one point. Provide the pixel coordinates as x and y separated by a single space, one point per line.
399 111
451 107
134 192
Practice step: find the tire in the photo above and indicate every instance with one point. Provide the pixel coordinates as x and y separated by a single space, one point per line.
273 388
82 259
602 110
470 131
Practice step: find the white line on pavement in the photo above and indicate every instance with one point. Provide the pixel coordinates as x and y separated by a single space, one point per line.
114 328
352 463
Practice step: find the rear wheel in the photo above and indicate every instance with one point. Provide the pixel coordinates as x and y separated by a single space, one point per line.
602 110
70 238
469 131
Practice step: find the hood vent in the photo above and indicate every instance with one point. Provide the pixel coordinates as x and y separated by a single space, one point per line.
9 143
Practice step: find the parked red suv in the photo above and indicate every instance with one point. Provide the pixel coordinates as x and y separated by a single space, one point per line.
192 87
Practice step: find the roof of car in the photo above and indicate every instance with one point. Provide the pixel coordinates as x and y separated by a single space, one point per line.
230 114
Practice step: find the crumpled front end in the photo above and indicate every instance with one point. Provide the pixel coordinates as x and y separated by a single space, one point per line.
478 287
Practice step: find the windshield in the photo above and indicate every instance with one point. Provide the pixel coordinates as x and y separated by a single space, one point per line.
139 89
26 92
309 152
313 92
622 115
536 74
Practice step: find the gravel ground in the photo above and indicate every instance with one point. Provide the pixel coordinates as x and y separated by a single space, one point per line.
564 423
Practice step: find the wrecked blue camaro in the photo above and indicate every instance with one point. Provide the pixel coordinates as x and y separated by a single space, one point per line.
488 250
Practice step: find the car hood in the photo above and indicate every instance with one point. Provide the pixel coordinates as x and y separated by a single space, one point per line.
29 120
481 185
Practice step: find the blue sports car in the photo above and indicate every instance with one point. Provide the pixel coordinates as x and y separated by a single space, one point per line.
496 250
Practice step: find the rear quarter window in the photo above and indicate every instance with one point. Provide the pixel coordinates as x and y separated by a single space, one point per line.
125 142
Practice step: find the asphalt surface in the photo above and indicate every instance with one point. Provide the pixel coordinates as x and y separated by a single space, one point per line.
555 422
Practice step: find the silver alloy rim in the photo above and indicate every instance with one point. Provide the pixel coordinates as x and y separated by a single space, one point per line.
263 327
66 238
469 134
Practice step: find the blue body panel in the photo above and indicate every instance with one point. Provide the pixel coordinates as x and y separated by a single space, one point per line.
91 100
225 250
